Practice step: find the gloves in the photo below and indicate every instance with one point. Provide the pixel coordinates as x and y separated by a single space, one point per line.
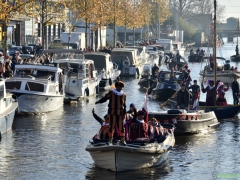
93 110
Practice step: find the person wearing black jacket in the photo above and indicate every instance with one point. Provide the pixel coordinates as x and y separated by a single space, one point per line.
133 112
235 91
195 90
182 98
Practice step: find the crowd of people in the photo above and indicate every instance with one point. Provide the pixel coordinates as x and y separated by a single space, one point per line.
120 124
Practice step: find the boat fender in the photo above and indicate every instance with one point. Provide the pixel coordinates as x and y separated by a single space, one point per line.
174 111
97 89
110 81
87 91
137 70
126 63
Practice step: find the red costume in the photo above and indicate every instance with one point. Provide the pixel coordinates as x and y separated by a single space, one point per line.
221 101
138 130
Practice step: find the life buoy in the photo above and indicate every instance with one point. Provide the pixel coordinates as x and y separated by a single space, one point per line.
126 63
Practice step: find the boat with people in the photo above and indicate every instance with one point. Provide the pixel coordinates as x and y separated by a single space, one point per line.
104 65
81 77
8 107
196 57
129 60
119 158
224 73
191 122
168 83
37 88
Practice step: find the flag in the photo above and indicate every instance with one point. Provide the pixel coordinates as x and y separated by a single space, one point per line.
195 103
145 107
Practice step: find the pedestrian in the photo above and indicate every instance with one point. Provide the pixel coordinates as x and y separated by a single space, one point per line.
116 110
235 91
183 98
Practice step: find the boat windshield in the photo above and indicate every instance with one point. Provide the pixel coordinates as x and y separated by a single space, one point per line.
165 46
169 76
66 55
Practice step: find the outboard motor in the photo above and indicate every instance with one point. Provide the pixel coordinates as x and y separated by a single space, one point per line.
227 65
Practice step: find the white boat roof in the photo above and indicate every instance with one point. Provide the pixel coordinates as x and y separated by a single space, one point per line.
75 61
97 53
124 49
49 67
164 41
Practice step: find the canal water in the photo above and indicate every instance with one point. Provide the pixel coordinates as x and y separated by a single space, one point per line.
52 145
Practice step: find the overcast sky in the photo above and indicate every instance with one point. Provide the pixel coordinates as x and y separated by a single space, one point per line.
232 7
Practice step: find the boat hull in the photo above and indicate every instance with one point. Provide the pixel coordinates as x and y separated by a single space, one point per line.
78 89
224 77
205 122
34 103
221 112
125 158
6 118
162 94
235 58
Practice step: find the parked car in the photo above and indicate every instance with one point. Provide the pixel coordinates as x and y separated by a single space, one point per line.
29 49
17 48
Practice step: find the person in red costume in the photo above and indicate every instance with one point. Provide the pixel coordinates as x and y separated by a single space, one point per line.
140 128
221 101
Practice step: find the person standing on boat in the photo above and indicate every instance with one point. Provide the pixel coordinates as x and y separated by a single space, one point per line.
211 60
237 50
133 112
195 90
140 128
211 93
154 69
183 98
235 91
116 110
221 101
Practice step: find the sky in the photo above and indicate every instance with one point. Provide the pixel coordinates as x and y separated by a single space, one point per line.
232 7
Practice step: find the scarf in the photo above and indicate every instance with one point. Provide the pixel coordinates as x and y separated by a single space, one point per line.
211 87
117 92
140 121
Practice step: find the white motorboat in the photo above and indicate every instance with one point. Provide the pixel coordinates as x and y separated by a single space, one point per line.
129 60
81 78
171 46
136 155
8 107
38 88
105 66
191 122
224 72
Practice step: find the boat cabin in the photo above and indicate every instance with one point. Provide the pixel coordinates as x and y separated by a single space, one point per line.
166 44
119 55
83 70
101 60
155 48
36 78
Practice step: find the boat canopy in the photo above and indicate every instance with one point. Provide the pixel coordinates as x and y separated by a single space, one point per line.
171 76
101 60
